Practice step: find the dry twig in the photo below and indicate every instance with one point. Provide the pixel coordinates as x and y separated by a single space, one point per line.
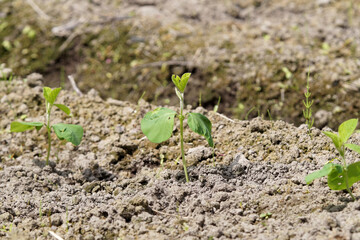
38 10
169 63
55 235
73 85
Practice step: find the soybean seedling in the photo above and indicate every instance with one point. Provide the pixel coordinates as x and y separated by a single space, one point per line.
157 125
340 177
307 112
70 132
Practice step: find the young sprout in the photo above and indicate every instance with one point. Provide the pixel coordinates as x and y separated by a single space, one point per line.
340 177
309 120
70 132
157 125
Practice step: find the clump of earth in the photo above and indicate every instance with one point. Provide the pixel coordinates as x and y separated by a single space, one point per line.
254 55
118 185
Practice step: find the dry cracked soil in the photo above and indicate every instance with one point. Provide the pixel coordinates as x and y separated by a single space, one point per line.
113 185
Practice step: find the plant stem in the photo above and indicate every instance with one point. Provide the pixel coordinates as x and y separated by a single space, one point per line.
181 117
48 108
347 185
307 112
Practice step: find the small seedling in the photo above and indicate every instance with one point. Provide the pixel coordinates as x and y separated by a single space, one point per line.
288 73
70 132
157 125
266 215
216 108
6 229
309 120
340 177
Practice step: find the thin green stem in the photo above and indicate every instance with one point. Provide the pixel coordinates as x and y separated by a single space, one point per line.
48 109
182 136
49 146
307 112
347 185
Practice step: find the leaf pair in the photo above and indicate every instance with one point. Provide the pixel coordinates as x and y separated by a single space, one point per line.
158 125
70 132
340 177
50 96
336 175
346 129
181 83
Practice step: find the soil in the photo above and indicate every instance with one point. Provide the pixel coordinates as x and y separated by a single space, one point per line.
253 54
113 185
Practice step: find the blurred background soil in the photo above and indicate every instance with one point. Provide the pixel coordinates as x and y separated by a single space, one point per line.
252 54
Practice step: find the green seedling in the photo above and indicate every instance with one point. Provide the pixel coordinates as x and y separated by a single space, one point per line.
266 215
6 229
340 177
216 108
157 125
288 73
307 112
69 132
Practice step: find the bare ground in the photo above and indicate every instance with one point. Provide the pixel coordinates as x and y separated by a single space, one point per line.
112 186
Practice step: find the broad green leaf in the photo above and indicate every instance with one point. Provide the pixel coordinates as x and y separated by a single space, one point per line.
70 132
51 94
158 125
335 138
46 92
336 179
319 174
354 173
201 125
353 147
176 80
64 108
347 128
181 83
23 126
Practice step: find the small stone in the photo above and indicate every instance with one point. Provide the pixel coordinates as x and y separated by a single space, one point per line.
34 79
6 217
56 220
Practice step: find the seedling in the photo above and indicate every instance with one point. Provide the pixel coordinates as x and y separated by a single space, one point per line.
70 132
6 229
266 215
157 125
216 108
340 177
309 120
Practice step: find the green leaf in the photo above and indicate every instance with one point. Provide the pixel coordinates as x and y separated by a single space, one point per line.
181 83
23 126
327 168
46 92
353 147
336 179
347 128
201 125
158 125
354 173
51 94
335 138
176 80
64 108
70 132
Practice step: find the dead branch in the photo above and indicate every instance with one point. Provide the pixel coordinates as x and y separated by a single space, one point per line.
38 10
73 85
